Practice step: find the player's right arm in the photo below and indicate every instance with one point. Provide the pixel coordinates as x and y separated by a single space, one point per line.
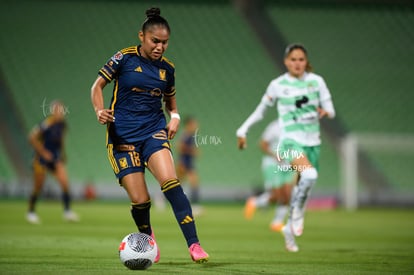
103 115
34 139
255 117
106 74
267 100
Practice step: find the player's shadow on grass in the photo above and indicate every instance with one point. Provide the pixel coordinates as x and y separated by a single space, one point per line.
216 267
186 263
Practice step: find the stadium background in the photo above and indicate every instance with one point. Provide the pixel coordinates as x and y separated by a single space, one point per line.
53 49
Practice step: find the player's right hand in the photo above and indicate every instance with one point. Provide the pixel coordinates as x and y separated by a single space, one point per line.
241 143
47 155
105 115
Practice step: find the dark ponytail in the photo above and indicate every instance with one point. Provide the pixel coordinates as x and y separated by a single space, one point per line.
154 18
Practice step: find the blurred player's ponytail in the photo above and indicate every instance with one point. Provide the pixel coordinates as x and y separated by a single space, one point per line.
154 18
297 46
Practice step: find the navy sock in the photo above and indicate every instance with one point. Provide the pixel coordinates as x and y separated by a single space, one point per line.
182 209
32 202
141 215
195 197
66 201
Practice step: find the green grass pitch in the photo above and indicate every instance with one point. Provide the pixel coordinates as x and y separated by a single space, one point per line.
368 241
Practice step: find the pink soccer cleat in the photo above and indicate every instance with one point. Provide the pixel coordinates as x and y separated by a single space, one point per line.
157 258
276 226
250 208
198 254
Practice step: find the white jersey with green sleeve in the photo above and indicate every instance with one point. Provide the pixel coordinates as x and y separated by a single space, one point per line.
297 104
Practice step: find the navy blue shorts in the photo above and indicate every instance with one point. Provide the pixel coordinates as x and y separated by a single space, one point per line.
131 158
38 162
187 161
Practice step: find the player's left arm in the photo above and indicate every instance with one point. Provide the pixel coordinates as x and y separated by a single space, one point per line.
326 107
172 110
63 157
266 148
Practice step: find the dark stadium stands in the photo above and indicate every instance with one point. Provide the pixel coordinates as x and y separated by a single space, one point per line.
53 49
56 49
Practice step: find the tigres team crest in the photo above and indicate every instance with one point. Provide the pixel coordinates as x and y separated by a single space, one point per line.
123 163
163 74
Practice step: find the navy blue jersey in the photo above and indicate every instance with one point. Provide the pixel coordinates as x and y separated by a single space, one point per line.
139 87
52 134
187 152
188 144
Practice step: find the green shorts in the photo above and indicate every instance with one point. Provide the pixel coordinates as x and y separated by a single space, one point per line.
275 178
290 150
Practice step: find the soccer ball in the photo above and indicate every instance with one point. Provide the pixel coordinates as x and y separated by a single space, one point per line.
137 251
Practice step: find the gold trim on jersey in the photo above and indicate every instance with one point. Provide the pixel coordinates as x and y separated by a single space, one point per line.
168 61
130 50
171 93
104 72
115 95
112 108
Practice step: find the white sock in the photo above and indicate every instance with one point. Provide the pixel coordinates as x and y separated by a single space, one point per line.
280 213
262 200
301 192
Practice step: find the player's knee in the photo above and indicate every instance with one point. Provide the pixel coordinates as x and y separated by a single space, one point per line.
309 174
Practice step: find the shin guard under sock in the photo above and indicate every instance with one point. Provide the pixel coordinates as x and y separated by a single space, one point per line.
141 215
32 202
66 201
182 209
195 195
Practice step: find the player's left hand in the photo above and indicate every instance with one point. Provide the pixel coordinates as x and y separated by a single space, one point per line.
322 112
172 127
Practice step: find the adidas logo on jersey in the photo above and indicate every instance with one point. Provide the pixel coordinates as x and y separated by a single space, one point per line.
138 69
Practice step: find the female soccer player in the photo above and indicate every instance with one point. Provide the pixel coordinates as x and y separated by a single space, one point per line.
137 132
47 139
278 181
302 99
